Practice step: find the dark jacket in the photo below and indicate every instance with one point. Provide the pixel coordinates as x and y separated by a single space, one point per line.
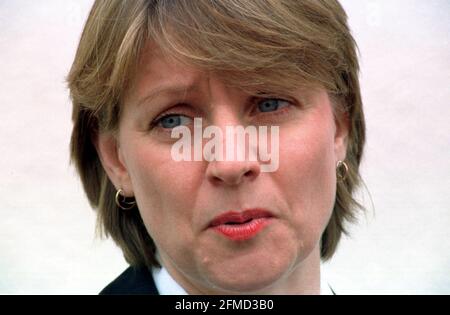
134 280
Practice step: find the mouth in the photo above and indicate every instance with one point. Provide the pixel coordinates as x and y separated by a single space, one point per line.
241 226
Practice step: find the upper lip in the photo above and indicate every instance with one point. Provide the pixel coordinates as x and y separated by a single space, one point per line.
240 217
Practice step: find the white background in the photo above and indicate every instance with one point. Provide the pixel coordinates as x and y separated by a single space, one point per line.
402 245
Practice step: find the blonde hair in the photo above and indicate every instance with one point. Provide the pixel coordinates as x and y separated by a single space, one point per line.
278 45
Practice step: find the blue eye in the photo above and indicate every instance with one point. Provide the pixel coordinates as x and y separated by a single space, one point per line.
172 120
271 104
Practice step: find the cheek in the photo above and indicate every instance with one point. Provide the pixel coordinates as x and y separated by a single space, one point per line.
164 190
308 173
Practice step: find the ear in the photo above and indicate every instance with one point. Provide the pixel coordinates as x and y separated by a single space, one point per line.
112 161
342 123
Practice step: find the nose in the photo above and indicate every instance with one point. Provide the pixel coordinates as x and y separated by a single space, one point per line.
232 173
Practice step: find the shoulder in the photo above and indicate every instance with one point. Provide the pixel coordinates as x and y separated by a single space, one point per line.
134 280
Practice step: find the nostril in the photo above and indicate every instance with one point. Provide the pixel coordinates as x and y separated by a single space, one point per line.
250 173
231 172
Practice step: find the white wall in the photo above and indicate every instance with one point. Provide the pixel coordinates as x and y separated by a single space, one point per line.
47 239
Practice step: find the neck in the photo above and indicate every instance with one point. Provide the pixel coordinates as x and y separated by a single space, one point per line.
302 279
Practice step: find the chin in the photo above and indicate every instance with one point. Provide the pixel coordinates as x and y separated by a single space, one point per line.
246 285
246 274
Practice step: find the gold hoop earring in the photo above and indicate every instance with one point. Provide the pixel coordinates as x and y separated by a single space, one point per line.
123 204
341 175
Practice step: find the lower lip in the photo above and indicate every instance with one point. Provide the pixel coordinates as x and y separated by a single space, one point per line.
244 231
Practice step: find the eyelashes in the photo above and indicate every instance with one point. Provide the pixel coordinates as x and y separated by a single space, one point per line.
266 107
172 120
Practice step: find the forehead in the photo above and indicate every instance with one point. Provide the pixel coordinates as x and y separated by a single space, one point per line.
157 69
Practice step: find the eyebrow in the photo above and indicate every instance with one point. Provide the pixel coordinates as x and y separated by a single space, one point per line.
165 89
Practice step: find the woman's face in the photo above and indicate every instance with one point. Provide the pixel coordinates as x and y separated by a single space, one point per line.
179 200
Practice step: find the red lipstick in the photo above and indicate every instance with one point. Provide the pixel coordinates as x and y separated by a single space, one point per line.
240 226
